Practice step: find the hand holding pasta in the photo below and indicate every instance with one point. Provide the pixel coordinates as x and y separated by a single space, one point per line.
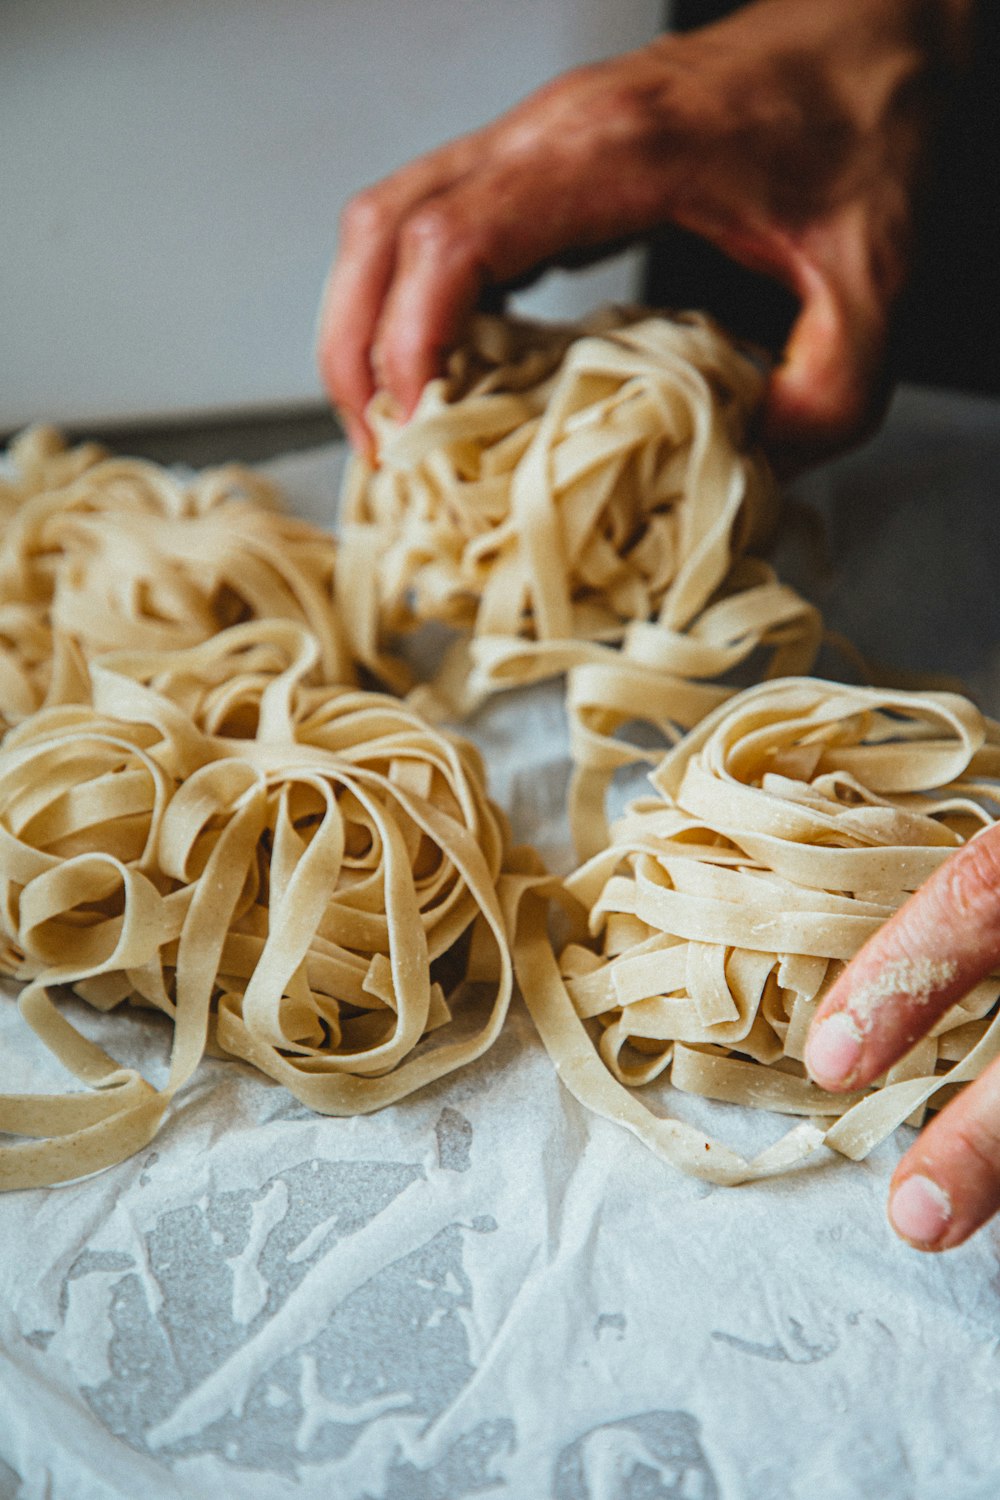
793 136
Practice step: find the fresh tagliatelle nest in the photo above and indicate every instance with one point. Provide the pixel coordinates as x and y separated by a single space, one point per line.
97 552
557 488
303 876
578 500
786 828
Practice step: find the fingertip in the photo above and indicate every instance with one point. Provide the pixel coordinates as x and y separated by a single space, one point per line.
435 288
347 378
829 389
324 348
814 406
408 355
403 368
350 306
349 392
947 1186
833 1051
345 371
359 436
920 1211
326 330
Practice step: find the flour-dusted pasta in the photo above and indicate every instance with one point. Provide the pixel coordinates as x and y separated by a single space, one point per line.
299 875
786 828
100 552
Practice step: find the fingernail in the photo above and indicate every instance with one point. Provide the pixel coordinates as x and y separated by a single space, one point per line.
920 1211
833 1050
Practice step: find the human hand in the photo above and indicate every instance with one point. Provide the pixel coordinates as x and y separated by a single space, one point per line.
940 943
793 136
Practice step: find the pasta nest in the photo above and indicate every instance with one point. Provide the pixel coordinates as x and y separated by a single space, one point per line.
100 553
560 483
303 876
785 829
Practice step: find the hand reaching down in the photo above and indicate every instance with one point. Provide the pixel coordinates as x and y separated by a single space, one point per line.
794 136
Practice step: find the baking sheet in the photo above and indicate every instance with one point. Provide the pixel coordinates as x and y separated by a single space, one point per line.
484 1290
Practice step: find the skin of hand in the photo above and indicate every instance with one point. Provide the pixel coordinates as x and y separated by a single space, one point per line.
939 944
794 136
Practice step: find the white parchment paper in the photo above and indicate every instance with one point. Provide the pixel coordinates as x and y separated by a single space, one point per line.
484 1290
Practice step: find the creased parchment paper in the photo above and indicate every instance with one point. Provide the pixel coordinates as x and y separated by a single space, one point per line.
486 1290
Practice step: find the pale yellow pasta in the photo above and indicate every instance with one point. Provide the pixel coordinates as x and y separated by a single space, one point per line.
42 461
662 677
216 823
615 487
563 491
299 875
786 828
97 552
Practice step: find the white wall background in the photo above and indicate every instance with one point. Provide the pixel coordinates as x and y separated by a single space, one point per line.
171 175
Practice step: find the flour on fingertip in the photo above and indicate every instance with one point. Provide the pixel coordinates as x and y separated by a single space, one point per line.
915 979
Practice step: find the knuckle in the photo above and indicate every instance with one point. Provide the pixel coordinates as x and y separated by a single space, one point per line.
367 215
545 96
978 1143
971 880
394 363
438 229
633 110
565 92
585 110
629 118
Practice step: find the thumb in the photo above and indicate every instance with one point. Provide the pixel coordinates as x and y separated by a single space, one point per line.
830 388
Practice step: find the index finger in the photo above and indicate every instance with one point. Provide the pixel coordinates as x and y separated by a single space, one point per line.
361 274
352 300
934 950
830 386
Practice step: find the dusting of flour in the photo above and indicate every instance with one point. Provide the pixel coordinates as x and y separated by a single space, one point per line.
914 979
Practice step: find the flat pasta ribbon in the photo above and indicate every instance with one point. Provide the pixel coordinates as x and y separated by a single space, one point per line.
561 492
660 677
99 551
303 876
786 829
